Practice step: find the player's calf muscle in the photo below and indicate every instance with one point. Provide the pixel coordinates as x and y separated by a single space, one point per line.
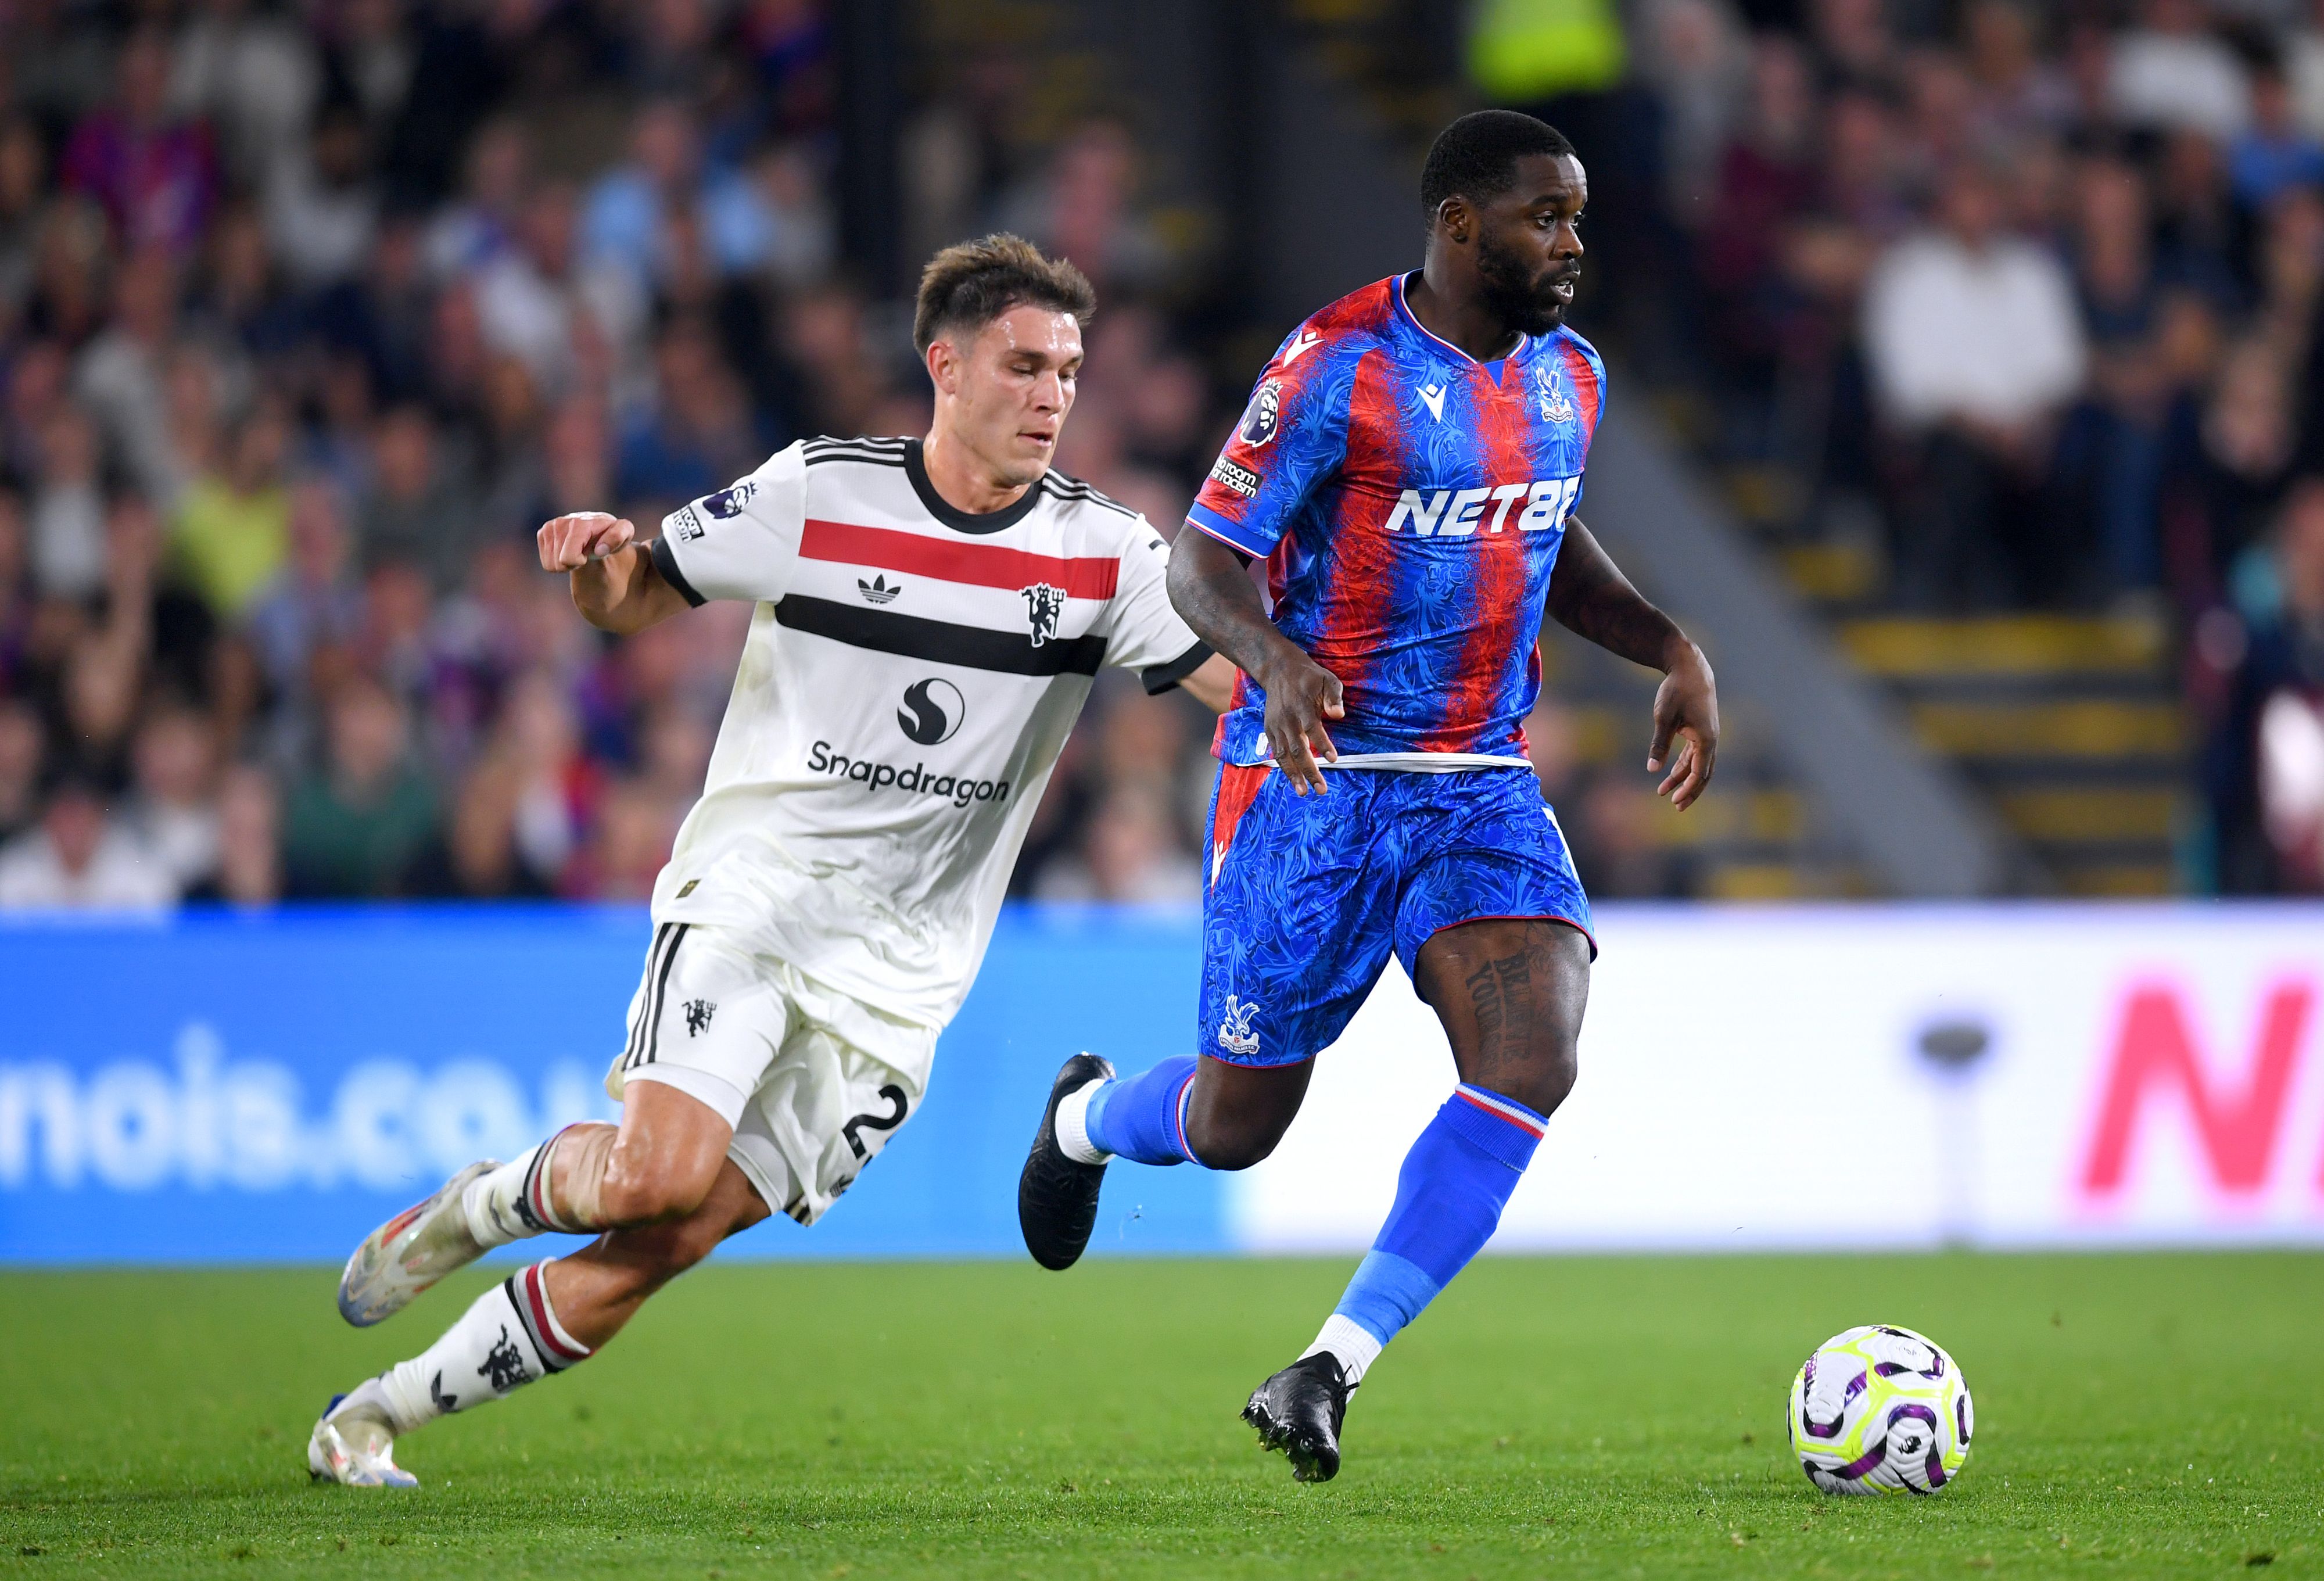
600 1287
641 1184
660 1165
1236 1115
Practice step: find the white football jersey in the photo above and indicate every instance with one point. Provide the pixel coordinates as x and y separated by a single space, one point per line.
911 676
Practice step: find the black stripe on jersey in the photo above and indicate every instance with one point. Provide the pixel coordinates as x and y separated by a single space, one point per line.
1161 677
941 642
895 442
872 452
1074 490
666 562
637 1027
661 988
829 447
830 457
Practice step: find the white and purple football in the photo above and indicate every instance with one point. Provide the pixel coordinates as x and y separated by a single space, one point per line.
1881 1410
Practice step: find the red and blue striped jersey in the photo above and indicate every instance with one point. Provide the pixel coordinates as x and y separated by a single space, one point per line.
1409 501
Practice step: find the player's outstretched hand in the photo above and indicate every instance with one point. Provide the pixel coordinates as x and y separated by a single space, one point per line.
1686 709
570 542
1301 694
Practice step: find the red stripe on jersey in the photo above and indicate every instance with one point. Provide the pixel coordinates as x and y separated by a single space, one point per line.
1236 698
980 565
1585 388
1238 789
1497 564
1357 616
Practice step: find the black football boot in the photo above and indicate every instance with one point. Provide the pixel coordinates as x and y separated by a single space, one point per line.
1300 1411
1056 1196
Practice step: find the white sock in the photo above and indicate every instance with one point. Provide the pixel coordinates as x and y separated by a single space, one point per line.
507 1339
1073 1124
1354 1349
511 1203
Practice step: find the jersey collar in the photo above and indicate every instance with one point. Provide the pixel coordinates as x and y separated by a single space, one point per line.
1411 320
916 467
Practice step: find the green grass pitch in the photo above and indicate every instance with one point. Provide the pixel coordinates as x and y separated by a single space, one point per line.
2137 1416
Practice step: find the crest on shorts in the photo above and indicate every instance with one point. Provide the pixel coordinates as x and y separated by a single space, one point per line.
698 1012
1045 606
1235 1035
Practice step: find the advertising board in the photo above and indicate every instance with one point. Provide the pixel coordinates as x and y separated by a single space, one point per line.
213 1087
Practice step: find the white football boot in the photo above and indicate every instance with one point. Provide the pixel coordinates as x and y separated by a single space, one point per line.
409 1252
354 1442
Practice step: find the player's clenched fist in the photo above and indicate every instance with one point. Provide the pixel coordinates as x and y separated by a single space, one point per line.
570 542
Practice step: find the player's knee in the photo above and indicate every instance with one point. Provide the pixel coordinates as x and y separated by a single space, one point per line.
1230 1146
649 1190
1543 1082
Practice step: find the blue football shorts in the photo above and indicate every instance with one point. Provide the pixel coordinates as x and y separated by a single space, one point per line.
1308 894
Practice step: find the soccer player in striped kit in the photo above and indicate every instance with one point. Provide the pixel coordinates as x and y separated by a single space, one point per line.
929 617
1408 467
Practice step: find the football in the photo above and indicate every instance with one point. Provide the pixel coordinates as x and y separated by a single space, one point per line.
1880 1409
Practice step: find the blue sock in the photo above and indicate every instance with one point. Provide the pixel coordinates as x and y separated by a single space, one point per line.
1449 1196
1143 1117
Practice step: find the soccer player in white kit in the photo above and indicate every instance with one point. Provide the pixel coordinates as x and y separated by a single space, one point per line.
930 615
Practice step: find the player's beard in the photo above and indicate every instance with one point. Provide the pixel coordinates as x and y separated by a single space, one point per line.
1519 297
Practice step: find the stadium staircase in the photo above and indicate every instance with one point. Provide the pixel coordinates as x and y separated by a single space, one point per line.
1752 838
2071 725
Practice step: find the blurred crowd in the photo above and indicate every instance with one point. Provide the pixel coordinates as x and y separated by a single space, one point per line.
311 312
2029 293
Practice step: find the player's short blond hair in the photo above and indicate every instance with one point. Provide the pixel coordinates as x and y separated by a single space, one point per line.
970 283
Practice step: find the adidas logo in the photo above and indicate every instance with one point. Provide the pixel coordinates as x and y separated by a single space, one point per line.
878 590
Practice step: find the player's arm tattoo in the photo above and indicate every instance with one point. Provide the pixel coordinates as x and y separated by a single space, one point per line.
1590 596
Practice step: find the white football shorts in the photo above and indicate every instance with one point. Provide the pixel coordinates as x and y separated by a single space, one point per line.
813 1080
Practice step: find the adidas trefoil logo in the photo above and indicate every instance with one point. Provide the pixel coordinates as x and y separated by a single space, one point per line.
879 589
